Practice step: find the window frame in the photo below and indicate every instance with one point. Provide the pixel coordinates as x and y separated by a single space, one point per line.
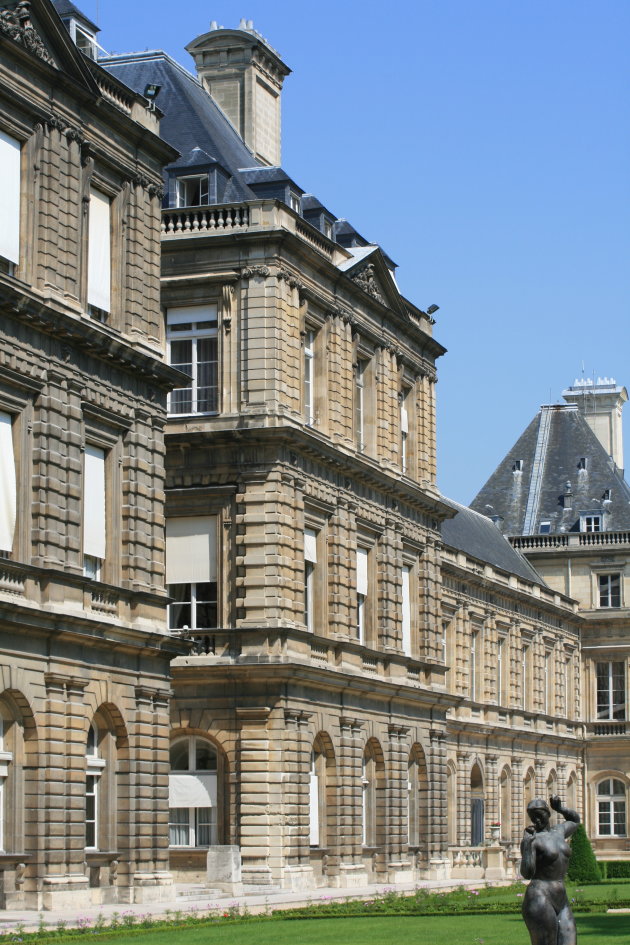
611 800
187 180
609 690
209 332
193 823
609 596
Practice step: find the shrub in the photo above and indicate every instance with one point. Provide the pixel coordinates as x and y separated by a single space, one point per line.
615 869
583 866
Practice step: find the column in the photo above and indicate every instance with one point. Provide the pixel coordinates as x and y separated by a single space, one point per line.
437 800
349 766
518 808
396 829
492 791
297 749
463 798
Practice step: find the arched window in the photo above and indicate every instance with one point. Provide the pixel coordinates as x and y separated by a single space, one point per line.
505 803
552 783
6 759
451 794
417 798
529 787
315 799
321 793
477 807
611 808
193 793
373 782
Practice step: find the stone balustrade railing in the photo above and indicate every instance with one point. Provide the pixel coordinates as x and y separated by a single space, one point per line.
570 540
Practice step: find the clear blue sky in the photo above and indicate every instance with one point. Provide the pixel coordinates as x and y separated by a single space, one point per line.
485 145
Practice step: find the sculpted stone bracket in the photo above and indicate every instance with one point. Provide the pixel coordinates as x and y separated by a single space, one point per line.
16 24
250 271
283 275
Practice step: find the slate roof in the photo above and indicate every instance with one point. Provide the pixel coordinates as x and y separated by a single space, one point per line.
192 119
480 538
65 8
524 498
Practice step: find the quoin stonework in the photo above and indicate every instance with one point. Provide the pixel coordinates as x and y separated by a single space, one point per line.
244 641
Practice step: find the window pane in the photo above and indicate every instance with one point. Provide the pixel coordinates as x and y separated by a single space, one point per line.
618 787
206 616
179 616
179 756
206 832
205 757
178 827
604 818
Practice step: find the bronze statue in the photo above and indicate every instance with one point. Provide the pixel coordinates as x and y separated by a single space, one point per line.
545 859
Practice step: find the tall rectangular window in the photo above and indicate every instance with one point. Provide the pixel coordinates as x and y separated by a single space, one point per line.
99 279
359 404
310 560
362 593
94 515
404 431
191 572
473 666
611 690
193 349
309 377
525 669
8 489
406 609
10 158
609 586
500 649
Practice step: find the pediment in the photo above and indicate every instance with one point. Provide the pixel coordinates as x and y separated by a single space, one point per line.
35 26
372 274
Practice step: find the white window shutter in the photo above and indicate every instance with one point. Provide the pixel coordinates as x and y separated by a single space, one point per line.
362 571
94 529
99 251
183 315
191 549
8 501
314 810
406 611
10 156
310 545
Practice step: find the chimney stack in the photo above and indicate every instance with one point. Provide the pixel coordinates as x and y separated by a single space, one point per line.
244 75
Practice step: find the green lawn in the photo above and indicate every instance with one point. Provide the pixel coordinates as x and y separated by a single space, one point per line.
375 930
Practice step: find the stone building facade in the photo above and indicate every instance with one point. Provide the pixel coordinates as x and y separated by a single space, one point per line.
561 496
84 652
328 727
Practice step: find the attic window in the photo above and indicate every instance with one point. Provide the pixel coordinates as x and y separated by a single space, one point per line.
544 528
607 496
328 229
294 201
582 463
518 465
83 39
192 191
590 523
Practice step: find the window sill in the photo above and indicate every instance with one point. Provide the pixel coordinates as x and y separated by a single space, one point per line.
100 858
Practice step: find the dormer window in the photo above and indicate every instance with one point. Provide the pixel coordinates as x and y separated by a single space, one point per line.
192 191
328 230
83 37
294 202
590 523
544 528
581 462
517 466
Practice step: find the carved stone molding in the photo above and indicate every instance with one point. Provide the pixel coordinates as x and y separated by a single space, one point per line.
291 280
16 24
250 271
366 280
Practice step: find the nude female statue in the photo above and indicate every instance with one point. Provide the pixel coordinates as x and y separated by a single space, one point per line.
545 859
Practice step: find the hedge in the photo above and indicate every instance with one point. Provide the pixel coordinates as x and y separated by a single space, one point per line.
615 869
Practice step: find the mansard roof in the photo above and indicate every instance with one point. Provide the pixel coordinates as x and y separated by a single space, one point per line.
480 538
556 471
65 8
191 119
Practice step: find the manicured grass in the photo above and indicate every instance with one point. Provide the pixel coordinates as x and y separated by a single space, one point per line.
375 930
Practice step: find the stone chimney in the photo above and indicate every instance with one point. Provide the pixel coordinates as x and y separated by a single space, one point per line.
244 75
601 404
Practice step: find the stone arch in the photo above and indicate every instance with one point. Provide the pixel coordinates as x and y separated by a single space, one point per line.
323 804
374 795
529 787
551 784
505 802
571 791
20 812
418 800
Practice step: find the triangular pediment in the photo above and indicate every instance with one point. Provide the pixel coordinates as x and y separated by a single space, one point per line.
35 26
369 270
